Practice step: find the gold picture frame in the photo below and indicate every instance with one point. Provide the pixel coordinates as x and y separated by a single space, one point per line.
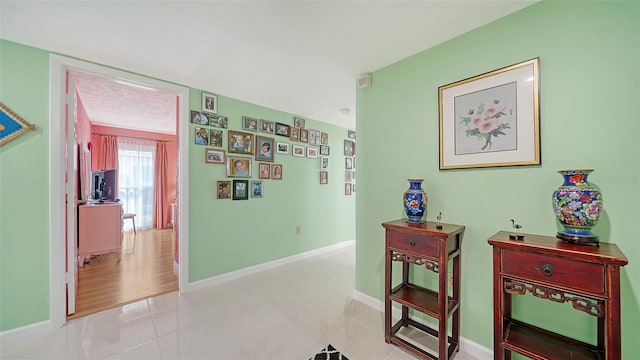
492 119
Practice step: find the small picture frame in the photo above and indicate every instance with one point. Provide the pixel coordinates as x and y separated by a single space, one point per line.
256 188
250 124
264 171
238 167
298 122
240 142
282 148
209 103
304 135
264 148
215 137
282 129
312 152
348 176
223 190
349 148
314 137
201 136
218 121
347 188
267 126
294 134
240 189
324 150
276 172
348 163
351 134
324 163
215 156
200 118
298 151
324 177
324 138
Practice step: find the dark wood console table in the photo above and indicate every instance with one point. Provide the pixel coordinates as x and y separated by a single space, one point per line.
424 245
586 276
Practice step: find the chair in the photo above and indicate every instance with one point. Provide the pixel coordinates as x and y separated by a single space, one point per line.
131 216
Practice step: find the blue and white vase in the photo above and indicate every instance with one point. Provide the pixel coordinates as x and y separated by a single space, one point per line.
578 206
415 201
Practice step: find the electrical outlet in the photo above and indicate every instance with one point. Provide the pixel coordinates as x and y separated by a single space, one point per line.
297 229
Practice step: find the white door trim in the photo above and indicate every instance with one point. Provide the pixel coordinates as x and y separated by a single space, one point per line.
58 67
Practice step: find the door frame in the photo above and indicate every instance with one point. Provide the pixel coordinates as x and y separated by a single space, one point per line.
59 65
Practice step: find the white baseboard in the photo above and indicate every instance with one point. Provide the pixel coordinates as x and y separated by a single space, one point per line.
466 345
26 330
200 284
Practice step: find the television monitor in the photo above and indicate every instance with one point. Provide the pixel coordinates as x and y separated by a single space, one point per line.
103 185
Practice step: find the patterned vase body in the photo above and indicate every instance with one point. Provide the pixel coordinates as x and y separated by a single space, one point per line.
415 201
578 206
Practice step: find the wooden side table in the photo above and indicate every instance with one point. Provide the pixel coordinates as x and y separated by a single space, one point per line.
424 245
586 276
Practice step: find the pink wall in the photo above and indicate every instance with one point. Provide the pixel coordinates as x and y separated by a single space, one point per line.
172 152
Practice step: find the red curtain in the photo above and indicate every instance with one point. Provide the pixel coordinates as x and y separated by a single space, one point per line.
161 213
107 154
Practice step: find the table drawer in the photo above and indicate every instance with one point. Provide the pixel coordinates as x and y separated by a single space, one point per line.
575 274
408 241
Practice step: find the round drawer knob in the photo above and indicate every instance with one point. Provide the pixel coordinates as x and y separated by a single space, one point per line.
412 243
547 269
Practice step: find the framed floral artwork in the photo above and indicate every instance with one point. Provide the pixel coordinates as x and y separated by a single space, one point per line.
491 119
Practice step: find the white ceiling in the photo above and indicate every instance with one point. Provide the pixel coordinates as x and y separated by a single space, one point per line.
301 57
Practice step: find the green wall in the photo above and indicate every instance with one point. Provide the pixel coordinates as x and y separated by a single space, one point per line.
590 85
224 235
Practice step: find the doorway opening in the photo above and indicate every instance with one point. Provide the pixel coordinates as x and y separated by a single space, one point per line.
63 275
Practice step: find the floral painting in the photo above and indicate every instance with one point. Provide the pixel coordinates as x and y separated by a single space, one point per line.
487 120
491 119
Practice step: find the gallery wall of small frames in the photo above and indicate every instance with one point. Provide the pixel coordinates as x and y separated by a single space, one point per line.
255 144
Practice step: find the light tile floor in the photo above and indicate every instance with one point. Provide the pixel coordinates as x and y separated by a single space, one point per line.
290 312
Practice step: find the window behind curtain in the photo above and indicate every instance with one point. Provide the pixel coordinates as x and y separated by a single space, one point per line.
136 164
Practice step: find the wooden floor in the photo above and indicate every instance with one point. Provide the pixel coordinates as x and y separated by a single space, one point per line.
145 270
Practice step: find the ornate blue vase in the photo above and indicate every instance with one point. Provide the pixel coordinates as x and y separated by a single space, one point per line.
415 201
578 206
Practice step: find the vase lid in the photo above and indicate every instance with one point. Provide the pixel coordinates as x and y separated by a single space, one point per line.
575 171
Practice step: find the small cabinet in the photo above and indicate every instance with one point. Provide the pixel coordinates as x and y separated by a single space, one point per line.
99 230
432 248
586 276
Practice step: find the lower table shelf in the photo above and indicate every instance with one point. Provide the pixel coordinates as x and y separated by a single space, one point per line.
421 299
539 343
